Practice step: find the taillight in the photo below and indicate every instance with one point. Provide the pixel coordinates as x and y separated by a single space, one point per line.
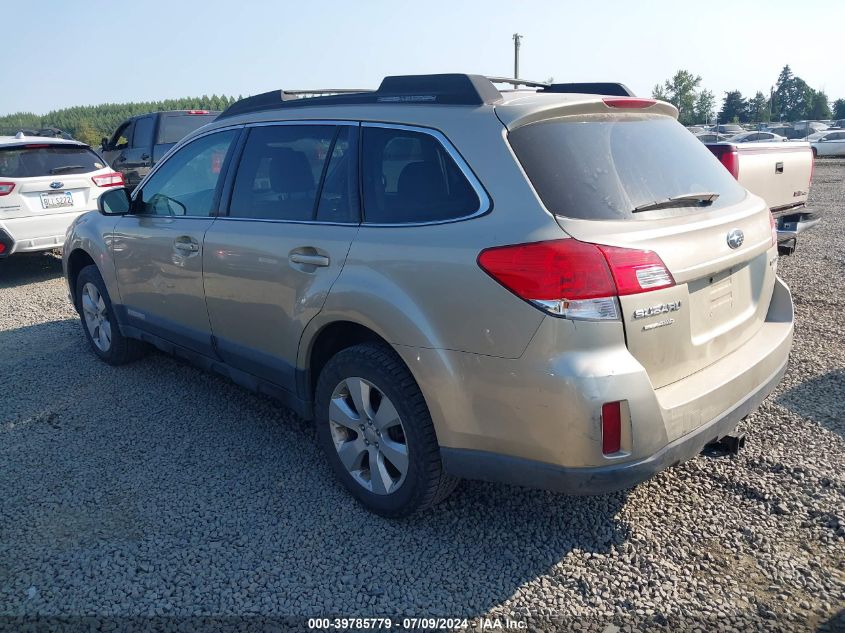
628 102
728 156
573 279
2 248
197 111
6 188
611 428
113 179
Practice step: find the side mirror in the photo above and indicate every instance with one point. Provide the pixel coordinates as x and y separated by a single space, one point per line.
115 201
104 143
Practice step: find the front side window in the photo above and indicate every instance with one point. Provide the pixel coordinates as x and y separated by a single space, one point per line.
297 173
144 132
186 182
123 136
409 177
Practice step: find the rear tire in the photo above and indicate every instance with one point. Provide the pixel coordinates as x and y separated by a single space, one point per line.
97 315
395 426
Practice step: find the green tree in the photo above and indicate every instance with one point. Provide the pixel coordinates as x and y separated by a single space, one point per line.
705 106
819 106
659 93
681 91
734 108
839 109
86 133
758 108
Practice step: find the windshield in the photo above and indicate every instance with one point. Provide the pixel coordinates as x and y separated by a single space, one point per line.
602 167
27 161
175 127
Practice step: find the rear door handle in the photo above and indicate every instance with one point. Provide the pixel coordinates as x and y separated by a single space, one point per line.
310 260
186 245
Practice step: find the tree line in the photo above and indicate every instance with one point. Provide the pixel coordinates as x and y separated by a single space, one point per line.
90 123
790 99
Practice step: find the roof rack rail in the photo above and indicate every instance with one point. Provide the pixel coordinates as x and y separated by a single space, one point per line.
519 82
609 88
443 89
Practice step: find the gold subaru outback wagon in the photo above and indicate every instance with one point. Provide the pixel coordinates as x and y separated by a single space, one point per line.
554 285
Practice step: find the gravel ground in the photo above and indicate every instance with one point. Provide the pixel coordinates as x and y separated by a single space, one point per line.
155 489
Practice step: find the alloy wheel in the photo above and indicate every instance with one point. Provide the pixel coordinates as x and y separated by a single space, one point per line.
96 317
368 435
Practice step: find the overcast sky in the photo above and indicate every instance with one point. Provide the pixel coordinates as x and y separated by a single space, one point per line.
63 53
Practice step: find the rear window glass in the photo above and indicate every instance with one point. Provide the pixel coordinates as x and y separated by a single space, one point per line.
602 168
29 161
174 127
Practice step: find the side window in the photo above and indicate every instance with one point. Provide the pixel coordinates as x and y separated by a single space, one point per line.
339 193
123 136
410 177
143 137
281 169
186 182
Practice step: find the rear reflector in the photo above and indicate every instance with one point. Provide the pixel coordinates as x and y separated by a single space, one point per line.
728 156
114 179
573 279
6 188
611 428
629 102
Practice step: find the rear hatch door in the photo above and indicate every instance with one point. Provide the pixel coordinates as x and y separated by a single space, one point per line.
610 178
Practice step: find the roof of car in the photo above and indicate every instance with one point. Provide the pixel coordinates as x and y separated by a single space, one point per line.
21 139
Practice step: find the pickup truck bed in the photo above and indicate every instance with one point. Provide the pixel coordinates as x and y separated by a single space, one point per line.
780 173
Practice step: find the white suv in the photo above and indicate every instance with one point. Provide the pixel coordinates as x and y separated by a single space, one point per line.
45 183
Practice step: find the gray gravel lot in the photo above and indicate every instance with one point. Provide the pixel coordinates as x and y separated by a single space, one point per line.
157 489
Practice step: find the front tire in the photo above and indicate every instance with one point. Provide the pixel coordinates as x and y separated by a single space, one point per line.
376 430
97 315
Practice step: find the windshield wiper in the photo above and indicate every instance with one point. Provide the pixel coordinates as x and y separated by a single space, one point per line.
56 170
702 199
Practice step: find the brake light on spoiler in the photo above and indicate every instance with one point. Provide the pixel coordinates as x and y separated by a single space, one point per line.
572 279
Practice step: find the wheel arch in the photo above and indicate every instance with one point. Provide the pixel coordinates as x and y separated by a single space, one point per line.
78 259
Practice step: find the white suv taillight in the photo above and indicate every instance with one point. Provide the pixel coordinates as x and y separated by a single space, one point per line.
6 188
114 179
573 279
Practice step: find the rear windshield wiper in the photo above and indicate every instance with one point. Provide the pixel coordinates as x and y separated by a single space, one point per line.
56 170
703 199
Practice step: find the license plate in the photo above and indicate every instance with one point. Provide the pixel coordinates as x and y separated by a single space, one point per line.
57 200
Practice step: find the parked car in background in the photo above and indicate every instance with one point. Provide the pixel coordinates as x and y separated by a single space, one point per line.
516 291
46 183
829 143
730 129
141 141
781 174
711 137
757 137
696 129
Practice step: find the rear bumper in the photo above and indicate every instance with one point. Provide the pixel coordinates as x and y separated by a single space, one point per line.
37 233
536 421
471 464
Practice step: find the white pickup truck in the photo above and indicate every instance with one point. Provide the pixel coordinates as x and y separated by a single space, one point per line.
780 173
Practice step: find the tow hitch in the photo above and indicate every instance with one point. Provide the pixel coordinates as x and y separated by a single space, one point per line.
728 445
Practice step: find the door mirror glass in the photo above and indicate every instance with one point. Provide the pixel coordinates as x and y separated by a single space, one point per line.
115 202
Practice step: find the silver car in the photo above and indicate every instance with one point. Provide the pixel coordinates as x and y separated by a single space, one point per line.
556 287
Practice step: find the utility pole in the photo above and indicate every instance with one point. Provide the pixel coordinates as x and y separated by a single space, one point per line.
516 41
